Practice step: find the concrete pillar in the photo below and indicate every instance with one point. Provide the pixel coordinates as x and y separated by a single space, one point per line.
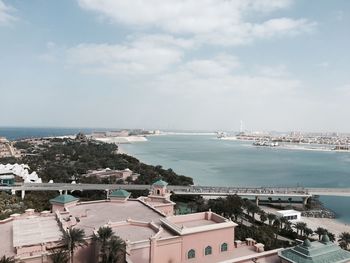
257 200
23 193
107 193
13 192
65 192
305 199
153 249
60 192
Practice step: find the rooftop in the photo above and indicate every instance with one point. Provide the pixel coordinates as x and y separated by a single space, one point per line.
316 252
120 193
133 232
190 223
96 214
160 183
35 230
63 199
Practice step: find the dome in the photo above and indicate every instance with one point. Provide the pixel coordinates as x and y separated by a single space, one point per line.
307 243
325 238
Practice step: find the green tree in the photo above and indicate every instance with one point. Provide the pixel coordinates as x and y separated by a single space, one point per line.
59 256
283 221
271 218
116 252
263 216
5 259
300 227
73 238
320 231
308 232
111 247
102 237
344 240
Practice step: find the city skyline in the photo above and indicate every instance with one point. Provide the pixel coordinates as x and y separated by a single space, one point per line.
185 65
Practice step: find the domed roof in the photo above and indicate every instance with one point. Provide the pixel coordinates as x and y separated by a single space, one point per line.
307 243
160 183
120 193
325 238
63 199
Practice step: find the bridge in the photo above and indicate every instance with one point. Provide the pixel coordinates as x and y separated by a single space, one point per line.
256 192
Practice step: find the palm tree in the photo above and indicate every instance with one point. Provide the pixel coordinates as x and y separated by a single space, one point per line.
276 225
59 256
254 209
308 231
103 235
73 238
344 239
263 216
112 248
283 222
288 226
5 259
116 251
320 231
271 217
300 226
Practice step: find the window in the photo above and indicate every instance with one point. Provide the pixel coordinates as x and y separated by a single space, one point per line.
208 250
223 247
158 192
191 254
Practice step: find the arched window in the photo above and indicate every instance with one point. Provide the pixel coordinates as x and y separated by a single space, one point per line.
158 192
191 254
208 250
223 247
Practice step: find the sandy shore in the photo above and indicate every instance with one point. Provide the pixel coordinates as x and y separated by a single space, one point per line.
121 150
332 225
119 140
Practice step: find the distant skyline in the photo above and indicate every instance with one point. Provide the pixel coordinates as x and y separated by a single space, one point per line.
176 65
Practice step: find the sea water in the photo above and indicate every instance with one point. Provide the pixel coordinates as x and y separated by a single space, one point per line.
210 161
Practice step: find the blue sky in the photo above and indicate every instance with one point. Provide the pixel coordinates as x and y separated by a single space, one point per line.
195 64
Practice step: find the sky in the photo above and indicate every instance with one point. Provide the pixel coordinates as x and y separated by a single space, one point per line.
176 64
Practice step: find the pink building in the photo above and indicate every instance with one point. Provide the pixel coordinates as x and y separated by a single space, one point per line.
147 224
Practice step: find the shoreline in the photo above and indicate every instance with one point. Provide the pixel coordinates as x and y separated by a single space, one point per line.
333 225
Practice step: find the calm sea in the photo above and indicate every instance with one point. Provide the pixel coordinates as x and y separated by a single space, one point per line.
14 133
218 162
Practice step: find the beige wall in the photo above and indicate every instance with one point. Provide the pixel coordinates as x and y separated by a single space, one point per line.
168 251
199 241
140 255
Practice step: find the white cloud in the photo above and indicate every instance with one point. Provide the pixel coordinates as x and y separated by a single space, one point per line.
5 14
145 55
208 21
220 76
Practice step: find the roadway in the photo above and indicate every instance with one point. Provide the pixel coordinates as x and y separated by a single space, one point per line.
189 190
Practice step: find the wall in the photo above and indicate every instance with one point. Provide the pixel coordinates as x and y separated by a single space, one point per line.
168 250
199 241
140 254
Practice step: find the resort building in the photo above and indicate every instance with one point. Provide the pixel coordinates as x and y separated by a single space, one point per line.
290 215
110 173
7 149
147 224
151 231
323 251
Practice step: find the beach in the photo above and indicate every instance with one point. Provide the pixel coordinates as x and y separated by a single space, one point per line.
332 225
